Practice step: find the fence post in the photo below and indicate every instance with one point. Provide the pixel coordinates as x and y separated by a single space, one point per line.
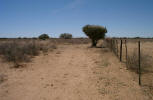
139 62
111 45
121 51
117 47
126 52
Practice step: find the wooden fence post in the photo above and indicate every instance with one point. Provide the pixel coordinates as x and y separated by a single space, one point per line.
126 52
121 51
139 54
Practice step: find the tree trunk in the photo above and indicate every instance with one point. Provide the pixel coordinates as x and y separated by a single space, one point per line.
94 43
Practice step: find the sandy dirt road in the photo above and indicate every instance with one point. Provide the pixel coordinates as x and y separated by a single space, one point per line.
72 72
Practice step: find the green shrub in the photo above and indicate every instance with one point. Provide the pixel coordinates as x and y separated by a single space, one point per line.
66 36
44 36
95 33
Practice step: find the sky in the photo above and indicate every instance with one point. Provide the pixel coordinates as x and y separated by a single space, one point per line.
30 18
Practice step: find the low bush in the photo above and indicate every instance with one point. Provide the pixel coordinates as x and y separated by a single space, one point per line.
66 36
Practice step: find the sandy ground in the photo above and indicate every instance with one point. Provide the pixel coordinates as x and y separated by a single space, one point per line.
72 72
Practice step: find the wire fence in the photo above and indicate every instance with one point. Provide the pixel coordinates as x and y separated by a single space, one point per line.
137 54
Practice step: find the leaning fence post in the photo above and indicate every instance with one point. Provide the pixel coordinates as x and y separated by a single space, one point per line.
126 52
139 62
121 51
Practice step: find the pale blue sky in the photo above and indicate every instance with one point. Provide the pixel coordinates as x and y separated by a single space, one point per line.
30 18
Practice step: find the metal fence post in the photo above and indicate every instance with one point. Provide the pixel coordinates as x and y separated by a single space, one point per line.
139 61
126 52
117 47
121 51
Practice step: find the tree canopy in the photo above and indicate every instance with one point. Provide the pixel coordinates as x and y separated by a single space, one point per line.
95 32
44 36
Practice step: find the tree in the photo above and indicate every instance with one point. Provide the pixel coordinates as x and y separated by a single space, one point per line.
44 36
66 36
95 33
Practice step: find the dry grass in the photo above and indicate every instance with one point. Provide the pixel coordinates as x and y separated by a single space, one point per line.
132 61
70 41
78 64
22 51
146 59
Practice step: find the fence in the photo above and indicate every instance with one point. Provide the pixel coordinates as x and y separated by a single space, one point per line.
137 54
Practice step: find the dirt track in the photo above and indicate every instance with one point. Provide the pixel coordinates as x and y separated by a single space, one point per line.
71 73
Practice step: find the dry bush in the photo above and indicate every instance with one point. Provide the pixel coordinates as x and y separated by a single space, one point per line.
66 36
2 78
132 61
30 48
12 52
45 47
18 52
